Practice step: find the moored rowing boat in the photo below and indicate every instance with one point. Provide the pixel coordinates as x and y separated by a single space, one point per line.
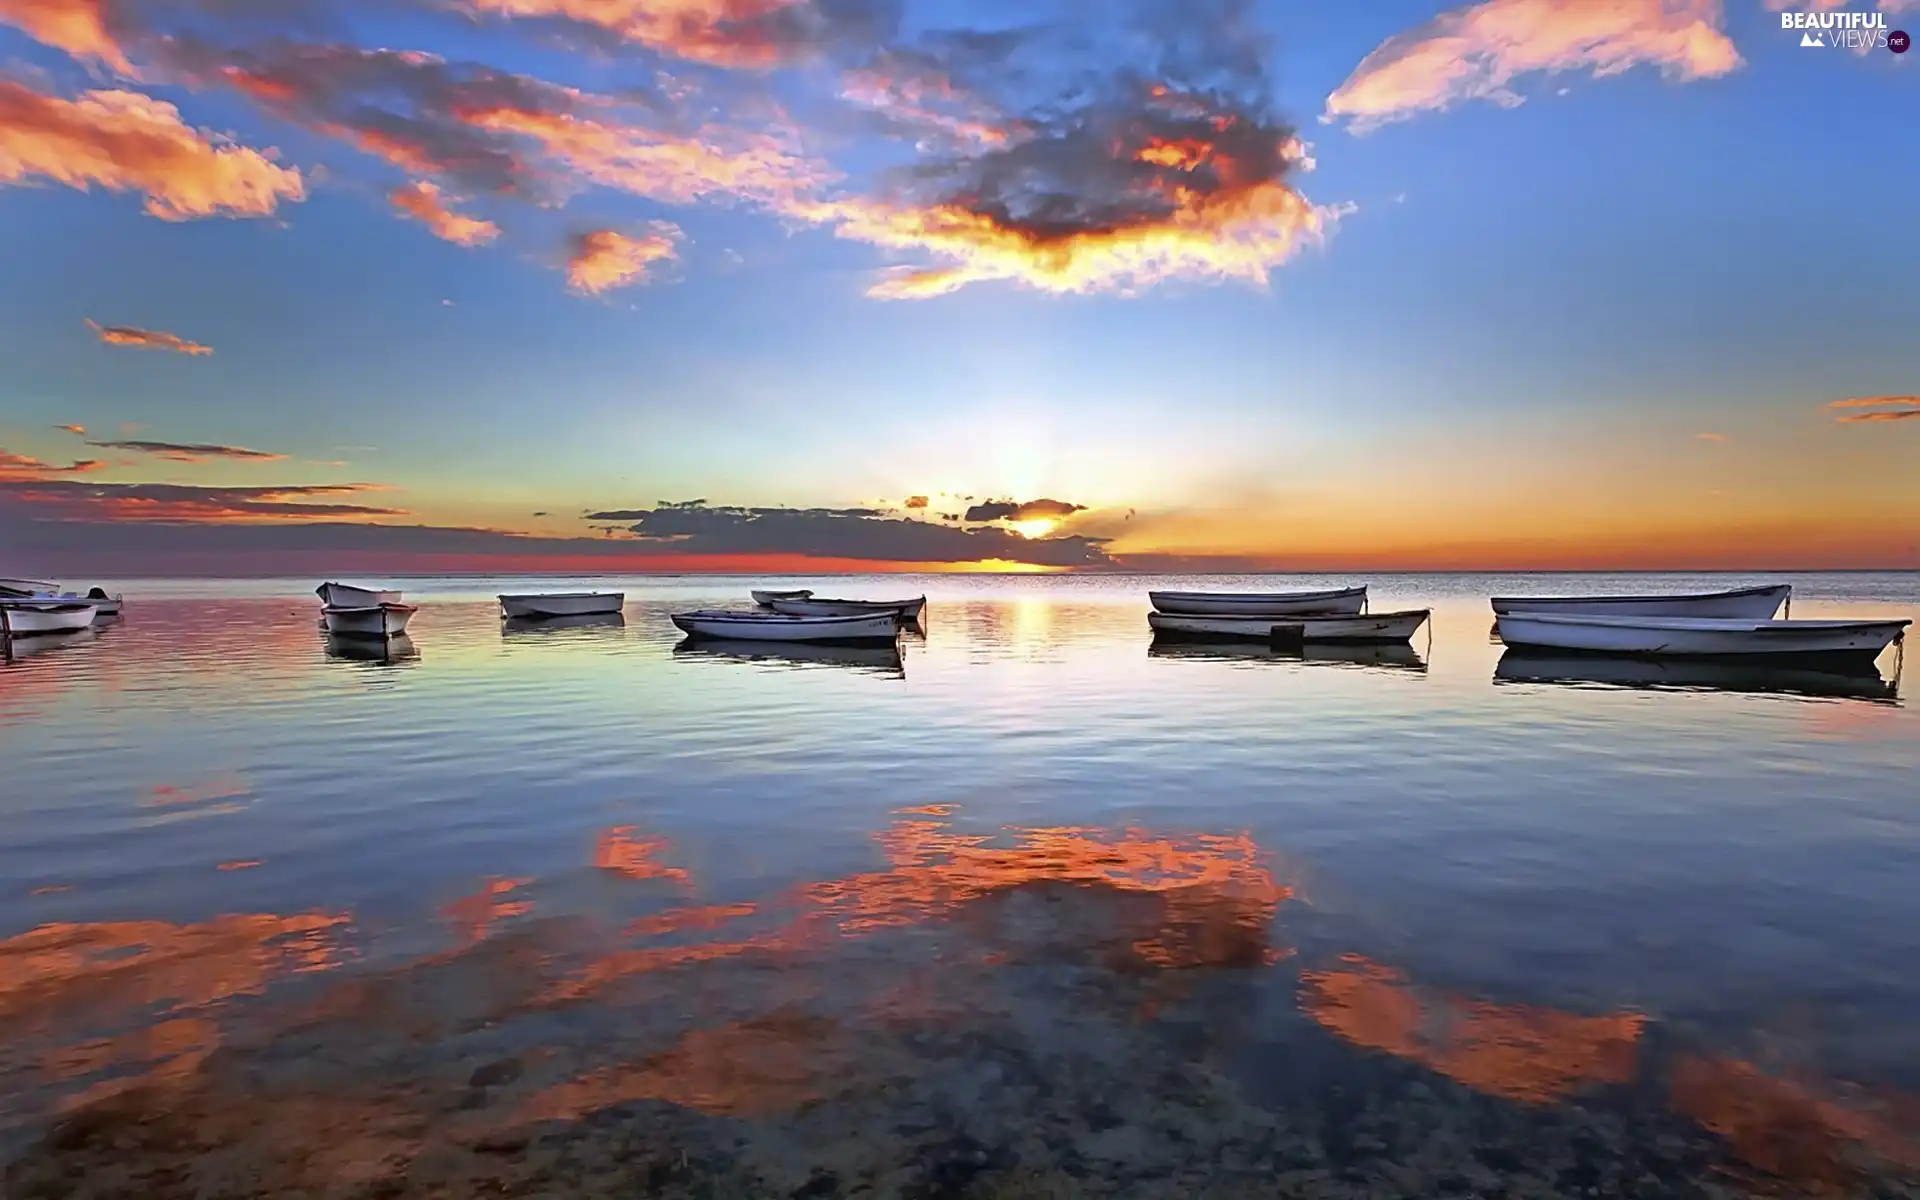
561 604
25 618
876 628
347 595
1373 627
1754 603
906 610
1700 636
1336 601
367 620
765 597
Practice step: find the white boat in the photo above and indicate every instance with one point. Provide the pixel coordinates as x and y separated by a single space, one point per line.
27 617
1372 627
765 597
1700 636
1754 603
906 610
1863 682
1341 601
779 627
347 595
562 604
367 620
34 589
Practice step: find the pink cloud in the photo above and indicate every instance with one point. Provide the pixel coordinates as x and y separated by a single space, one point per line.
423 202
147 339
79 27
601 259
1476 52
124 141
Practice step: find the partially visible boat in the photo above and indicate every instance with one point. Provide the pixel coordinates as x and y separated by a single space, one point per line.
765 597
27 617
347 595
1712 637
1372 627
562 604
1753 603
875 659
1341 601
873 628
36 589
1863 682
348 648
906 610
367 620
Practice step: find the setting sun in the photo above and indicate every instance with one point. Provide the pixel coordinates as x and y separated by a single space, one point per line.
1040 527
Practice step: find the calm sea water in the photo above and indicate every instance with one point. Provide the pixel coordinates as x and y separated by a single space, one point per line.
1034 905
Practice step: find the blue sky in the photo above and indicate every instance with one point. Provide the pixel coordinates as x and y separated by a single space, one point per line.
1503 352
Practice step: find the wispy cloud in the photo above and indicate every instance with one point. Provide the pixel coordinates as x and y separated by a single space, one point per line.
124 141
1476 52
425 203
601 259
1888 408
75 430
15 468
149 339
190 452
170 503
1711 437
728 33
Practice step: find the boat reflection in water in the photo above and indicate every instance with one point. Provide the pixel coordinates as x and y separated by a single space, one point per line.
527 626
40 643
390 650
874 660
1834 681
1391 656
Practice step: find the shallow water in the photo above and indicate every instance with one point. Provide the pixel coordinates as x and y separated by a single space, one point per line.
1370 923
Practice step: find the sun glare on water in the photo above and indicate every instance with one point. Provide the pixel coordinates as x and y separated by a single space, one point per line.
1033 529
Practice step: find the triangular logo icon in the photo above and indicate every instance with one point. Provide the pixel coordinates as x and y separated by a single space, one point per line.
1813 39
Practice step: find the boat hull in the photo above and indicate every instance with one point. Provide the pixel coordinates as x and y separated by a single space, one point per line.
1337 602
377 620
765 597
1755 603
1700 637
30 618
905 610
863 629
1374 627
346 595
562 604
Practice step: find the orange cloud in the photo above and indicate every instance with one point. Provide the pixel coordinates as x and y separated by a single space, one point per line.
728 33
18 468
1897 414
76 430
77 26
124 141
924 100
1711 437
1887 403
1474 53
127 335
422 201
601 259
